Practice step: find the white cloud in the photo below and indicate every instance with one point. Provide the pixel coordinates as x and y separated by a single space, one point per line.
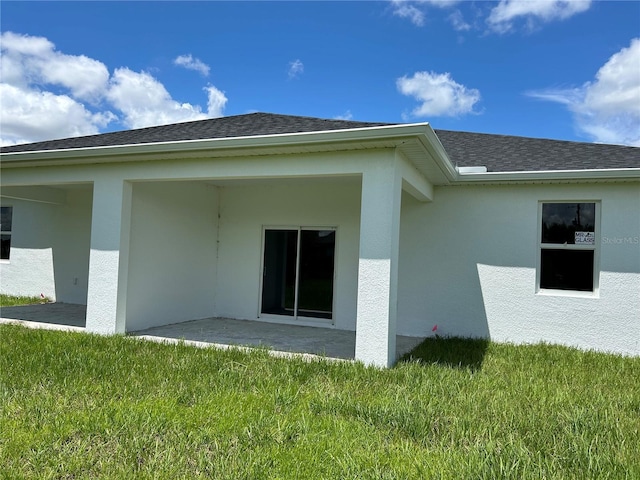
26 44
458 22
438 94
190 63
296 68
617 85
216 103
88 80
34 60
441 3
606 109
31 115
345 116
145 102
502 16
414 10
405 9
48 94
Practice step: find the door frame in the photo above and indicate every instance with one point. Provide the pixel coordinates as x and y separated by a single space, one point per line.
298 319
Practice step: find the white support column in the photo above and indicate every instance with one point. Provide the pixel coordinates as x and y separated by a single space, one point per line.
109 256
378 266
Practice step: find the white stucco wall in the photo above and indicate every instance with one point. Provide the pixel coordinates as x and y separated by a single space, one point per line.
29 270
49 245
71 251
467 260
468 265
172 253
245 210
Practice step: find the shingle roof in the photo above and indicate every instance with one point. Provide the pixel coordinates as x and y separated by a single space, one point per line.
249 125
503 153
499 153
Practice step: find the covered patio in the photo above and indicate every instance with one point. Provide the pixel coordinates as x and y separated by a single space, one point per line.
300 228
212 332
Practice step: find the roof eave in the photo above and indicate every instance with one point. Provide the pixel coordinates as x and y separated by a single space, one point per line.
109 153
418 141
550 176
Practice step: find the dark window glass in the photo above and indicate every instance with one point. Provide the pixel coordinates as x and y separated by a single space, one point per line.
5 246
561 221
279 274
315 288
6 214
567 269
5 218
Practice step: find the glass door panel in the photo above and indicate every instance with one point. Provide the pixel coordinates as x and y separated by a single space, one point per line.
279 272
298 270
315 284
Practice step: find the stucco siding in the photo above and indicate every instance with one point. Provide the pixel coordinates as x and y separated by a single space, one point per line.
172 256
246 210
49 246
29 270
71 251
468 260
468 264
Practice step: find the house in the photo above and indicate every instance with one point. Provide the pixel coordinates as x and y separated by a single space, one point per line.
381 229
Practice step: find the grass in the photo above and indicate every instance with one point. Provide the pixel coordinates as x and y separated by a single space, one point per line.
13 301
74 405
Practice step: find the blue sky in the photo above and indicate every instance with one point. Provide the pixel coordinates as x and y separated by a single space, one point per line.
562 69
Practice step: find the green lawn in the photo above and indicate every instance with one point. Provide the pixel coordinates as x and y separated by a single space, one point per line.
75 405
12 301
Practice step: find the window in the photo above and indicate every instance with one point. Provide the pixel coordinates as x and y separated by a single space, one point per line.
5 232
297 275
568 246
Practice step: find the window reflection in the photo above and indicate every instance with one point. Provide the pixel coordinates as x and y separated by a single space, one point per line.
560 221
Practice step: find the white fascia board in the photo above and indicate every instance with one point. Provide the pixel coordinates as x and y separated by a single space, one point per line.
438 153
611 174
109 153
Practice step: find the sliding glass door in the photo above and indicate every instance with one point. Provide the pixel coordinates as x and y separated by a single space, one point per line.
298 270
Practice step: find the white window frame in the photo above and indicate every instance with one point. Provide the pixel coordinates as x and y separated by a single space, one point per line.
557 246
8 232
298 319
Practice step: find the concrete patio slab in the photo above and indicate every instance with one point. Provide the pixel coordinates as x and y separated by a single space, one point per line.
282 339
43 314
325 342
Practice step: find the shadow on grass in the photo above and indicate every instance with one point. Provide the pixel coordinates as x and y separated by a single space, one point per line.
455 352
